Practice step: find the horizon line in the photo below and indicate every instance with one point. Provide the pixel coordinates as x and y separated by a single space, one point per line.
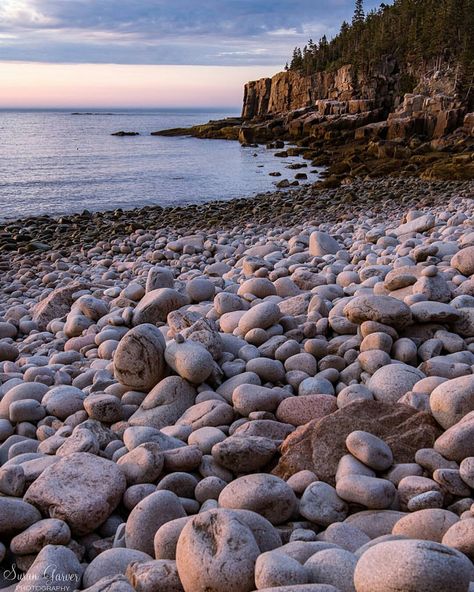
89 109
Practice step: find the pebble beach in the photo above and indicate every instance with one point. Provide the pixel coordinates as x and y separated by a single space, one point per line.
272 393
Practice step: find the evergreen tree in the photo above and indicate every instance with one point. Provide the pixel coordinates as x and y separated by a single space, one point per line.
358 12
344 28
297 59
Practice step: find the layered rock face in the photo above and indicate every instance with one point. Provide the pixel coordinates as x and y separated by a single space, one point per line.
435 116
365 105
422 115
289 91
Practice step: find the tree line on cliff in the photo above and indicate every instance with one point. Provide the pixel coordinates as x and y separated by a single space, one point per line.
414 32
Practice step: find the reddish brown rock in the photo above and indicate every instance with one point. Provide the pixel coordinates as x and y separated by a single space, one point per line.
319 445
468 124
256 97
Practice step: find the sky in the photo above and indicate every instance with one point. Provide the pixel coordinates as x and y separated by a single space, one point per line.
151 53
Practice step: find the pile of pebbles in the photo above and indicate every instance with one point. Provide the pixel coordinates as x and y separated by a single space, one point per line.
277 407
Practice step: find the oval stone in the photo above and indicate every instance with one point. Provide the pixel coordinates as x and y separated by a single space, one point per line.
381 309
139 360
390 383
267 495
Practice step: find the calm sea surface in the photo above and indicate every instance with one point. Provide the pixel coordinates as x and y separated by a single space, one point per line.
56 162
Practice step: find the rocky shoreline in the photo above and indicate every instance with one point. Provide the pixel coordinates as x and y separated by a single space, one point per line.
271 394
350 150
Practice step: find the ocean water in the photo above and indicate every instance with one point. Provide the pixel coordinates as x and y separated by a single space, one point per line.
54 162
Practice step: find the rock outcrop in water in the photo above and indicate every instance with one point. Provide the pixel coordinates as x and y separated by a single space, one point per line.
223 129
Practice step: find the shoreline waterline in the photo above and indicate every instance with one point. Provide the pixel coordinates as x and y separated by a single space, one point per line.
361 198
